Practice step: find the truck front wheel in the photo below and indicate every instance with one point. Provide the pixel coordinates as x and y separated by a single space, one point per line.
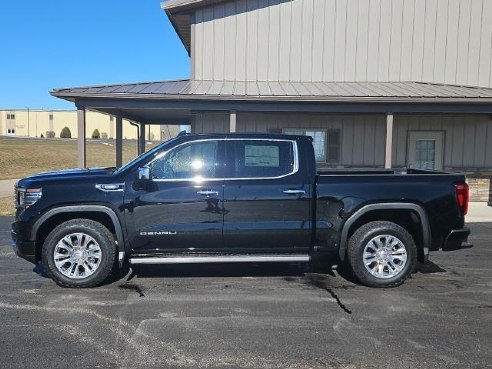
382 254
79 253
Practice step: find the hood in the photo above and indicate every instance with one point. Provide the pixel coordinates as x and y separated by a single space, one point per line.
66 174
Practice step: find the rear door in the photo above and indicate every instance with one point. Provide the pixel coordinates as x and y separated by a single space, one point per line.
266 200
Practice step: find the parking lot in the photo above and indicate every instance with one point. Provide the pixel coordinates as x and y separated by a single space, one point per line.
260 316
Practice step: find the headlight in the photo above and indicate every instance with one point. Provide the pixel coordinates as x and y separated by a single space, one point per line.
28 197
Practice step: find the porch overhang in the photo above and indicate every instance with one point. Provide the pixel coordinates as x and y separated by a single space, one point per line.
177 102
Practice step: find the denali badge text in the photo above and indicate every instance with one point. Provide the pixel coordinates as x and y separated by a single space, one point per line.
156 233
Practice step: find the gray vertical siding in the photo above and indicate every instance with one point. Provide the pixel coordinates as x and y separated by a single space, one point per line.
442 41
467 138
362 135
210 122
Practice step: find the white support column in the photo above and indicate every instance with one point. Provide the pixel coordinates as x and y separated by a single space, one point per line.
119 141
232 121
389 140
141 139
81 152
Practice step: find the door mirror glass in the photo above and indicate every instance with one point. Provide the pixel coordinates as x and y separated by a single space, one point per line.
144 173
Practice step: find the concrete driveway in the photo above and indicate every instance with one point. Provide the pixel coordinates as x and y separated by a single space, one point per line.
270 316
7 187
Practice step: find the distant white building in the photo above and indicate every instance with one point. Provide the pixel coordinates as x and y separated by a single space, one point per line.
37 122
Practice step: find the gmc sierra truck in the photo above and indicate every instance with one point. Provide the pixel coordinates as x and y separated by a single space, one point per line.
233 198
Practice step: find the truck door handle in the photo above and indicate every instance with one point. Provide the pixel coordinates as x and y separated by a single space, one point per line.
295 192
208 193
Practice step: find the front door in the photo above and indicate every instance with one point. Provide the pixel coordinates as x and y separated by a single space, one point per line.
266 202
182 206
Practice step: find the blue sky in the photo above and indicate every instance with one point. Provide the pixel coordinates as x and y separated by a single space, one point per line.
65 43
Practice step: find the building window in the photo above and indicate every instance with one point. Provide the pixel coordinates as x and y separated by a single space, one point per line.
11 116
111 118
326 143
51 116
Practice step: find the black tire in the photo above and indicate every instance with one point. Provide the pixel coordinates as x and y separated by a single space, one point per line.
363 236
100 234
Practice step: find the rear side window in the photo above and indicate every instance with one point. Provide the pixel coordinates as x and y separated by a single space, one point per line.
261 158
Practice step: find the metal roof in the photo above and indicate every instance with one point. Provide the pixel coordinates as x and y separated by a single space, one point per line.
284 91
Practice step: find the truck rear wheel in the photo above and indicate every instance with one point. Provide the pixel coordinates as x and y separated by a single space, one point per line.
382 254
79 253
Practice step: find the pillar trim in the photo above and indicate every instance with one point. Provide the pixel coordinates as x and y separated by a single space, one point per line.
389 141
141 139
81 140
119 141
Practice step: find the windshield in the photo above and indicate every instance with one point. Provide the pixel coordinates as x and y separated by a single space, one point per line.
146 156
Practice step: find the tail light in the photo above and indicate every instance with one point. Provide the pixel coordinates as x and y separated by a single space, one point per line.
463 197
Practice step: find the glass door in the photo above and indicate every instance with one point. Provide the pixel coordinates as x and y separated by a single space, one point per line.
425 150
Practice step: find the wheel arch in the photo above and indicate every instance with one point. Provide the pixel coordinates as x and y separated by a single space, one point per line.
100 213
387 211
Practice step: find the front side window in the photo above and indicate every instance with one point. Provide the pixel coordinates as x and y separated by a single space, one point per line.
261 159
194 160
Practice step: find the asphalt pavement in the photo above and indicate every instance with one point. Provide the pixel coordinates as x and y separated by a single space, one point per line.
243 316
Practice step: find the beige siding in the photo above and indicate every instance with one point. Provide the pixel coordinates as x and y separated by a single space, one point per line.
443 41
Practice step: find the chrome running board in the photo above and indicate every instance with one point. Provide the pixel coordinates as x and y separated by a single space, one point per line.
222 259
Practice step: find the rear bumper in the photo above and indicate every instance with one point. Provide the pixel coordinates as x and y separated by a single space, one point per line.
455 239
23 249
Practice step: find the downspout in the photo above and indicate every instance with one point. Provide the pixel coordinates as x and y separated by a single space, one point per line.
138 135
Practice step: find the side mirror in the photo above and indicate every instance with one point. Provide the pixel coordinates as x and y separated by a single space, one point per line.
144 173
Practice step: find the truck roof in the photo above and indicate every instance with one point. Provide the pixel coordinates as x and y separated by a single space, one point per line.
268 136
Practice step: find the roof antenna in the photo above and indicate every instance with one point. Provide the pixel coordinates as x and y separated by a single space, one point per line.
182 133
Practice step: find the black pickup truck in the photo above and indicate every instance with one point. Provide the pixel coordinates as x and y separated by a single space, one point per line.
236 198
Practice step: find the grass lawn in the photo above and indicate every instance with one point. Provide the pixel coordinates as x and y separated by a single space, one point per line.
21 157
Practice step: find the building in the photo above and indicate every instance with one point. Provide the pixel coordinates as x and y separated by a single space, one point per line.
37 122
377 83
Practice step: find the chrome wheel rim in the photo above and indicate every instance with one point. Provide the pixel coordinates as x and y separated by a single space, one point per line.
385 256
77 255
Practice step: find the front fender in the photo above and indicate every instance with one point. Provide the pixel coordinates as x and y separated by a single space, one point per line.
81 209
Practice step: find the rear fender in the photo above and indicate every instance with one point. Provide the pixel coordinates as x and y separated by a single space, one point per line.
424 222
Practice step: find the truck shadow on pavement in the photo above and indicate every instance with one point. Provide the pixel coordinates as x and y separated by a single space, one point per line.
322 275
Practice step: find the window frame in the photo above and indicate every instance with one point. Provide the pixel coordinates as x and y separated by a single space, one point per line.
295 154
